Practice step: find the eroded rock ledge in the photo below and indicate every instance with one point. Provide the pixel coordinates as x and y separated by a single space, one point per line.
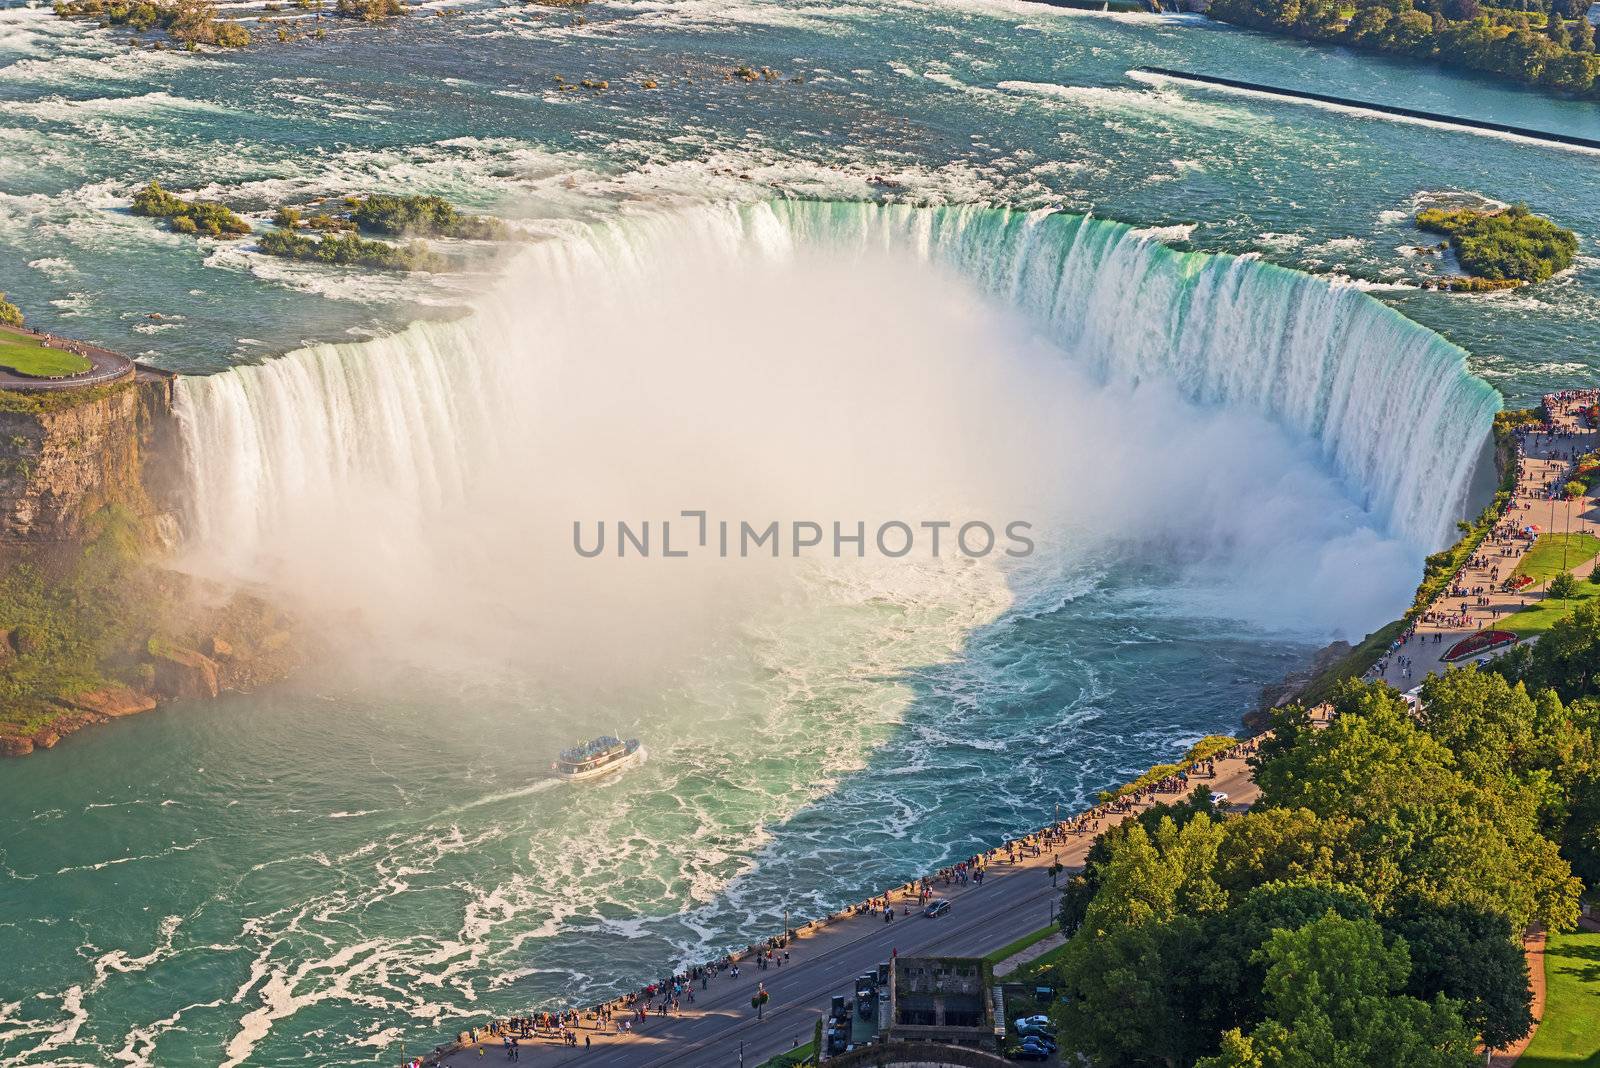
94 625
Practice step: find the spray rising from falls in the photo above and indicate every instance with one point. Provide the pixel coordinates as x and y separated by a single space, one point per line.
398 431
1390 403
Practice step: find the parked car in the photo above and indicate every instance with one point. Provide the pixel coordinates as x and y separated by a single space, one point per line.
1219 800
1030 1053
1040 1020
1038 1038
937 909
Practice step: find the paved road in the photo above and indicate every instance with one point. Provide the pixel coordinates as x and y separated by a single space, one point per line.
1013 901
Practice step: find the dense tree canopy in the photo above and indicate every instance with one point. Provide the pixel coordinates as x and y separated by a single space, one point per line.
1334 993
1550 45
1369 908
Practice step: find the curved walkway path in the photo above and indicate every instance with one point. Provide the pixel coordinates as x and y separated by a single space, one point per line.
108 366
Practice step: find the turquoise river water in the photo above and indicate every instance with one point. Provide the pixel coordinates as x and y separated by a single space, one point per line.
956 260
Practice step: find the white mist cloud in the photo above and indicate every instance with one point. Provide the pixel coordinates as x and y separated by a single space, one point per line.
428 482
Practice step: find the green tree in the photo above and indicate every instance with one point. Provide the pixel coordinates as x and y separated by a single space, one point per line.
1470 956
1228 979
1334 996
1124 1002
1426 827
1283 845
1157 876
1485 721
1566 659
10 314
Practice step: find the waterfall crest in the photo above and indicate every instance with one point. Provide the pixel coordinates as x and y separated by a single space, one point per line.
1388 403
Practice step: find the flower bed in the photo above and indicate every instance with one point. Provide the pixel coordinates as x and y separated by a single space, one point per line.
1485 641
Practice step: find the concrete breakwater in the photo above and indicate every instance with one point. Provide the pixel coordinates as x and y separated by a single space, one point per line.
1531 134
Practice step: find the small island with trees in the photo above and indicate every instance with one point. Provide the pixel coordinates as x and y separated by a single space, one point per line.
188 216
1500 248
189 24
333 237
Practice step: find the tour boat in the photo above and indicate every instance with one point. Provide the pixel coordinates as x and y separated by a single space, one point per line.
598 757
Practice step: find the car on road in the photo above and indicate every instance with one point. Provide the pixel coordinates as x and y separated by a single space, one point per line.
1219 800
937 909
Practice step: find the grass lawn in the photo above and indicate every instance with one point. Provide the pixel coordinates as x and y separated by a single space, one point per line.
1009 951
26 356
793 1057
1038 966
1540 615
1543 562
1569 1036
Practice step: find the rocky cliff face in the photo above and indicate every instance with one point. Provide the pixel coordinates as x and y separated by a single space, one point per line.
64 456
93 625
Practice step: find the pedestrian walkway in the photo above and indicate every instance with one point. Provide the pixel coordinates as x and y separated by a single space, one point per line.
1476 598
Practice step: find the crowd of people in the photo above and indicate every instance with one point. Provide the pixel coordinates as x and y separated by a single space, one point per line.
1567 416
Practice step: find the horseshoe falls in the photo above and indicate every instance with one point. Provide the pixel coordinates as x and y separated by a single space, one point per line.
887 286
1226 463
1388 405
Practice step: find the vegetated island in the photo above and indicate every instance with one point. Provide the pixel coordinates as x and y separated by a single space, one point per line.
188 216
338 240
1547 43
189 24
386 214
1500 248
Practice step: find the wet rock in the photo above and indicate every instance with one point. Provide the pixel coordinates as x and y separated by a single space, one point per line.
114 701
184 673
220 649
15 745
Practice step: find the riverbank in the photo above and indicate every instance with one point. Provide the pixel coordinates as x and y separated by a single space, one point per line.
1475 599
998 898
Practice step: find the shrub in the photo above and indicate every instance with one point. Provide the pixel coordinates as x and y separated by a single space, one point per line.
10 314
370 10
425 215
190 22
349 250
187 216
1563 586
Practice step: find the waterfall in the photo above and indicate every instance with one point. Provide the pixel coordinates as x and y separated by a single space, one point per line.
1389 402
408 418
